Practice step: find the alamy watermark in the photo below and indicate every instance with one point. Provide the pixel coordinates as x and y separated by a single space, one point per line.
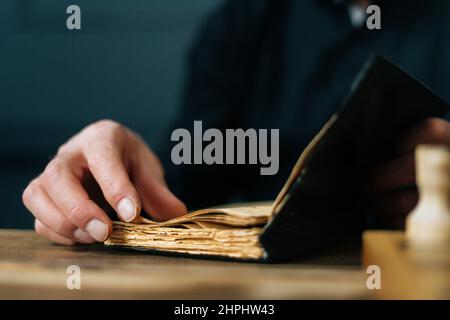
241 147
374 278
73 281
372 16
73 21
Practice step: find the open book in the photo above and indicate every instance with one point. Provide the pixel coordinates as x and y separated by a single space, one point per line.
323 200
228 232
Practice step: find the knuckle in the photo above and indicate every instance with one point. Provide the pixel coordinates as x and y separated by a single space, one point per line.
436 129
99 158
53 169
38 227
64 227
95 160
102 158
78 212
108 126
115 191
63 149
29 192
105 122
104 135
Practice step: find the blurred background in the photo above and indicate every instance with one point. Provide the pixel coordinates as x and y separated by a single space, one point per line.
126 64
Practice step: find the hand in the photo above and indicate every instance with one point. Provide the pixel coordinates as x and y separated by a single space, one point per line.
393 183
104 166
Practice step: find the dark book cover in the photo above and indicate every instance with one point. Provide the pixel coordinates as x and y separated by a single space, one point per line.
327 202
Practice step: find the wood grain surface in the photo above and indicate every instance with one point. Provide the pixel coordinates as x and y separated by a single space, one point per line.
406 272
33 268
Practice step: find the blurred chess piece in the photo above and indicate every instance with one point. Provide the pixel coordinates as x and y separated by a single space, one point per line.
428 225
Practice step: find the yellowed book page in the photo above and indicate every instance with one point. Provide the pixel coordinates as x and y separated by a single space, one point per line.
298 167
207 240
239 215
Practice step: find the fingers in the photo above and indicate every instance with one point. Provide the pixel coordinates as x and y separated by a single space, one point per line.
51 235
432 131
107 166
158 200
45 211
65 202
66 192
400 172
396 203
395 174
37 201
80 235
390 209
389 181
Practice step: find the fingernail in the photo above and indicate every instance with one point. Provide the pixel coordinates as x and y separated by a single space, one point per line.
97 229
127 210
82 236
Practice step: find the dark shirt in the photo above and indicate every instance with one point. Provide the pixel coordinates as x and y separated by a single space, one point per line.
288 65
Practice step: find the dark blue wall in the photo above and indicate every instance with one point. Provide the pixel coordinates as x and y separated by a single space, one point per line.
127 64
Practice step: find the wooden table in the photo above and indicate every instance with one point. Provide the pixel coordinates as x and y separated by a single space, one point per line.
33 268
407 272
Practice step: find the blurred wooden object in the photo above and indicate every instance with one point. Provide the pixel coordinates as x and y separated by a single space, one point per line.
407 273
428 225
416 264
33 268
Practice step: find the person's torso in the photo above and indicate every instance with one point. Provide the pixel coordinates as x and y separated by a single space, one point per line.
307 66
